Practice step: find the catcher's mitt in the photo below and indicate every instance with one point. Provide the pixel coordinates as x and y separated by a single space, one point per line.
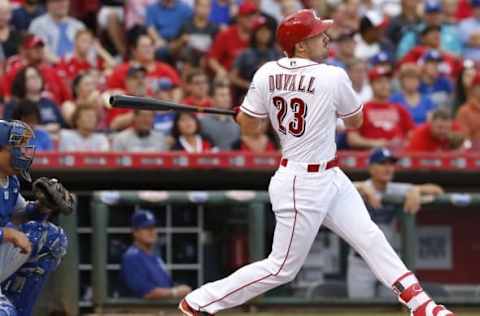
53 196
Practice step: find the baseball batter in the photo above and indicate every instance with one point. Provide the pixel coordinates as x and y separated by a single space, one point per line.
303 98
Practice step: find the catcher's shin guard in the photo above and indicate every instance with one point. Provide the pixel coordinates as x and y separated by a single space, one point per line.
49 245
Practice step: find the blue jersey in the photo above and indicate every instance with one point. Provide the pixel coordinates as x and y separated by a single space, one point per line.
142 272
10 199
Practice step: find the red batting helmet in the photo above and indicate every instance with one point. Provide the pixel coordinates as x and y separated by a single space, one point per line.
298 27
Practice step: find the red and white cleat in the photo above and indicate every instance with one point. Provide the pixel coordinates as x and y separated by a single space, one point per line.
430 308
189 311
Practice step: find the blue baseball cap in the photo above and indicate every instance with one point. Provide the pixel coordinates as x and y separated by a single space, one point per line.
432 6
432 55
381 155
380 58
143 219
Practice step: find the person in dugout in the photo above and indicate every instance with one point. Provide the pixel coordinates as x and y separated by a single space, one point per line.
361 282
143 272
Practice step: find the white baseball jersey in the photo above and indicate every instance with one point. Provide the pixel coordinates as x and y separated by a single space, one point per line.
303 99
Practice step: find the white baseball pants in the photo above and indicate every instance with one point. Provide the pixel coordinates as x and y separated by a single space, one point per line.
301 202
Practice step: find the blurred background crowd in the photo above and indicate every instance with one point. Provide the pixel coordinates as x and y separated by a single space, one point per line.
415 65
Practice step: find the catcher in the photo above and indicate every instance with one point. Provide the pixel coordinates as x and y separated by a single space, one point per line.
30 246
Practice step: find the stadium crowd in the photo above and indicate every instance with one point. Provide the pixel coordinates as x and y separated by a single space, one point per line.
414 64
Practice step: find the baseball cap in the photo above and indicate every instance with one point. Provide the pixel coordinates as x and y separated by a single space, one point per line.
135 70
162 84
247 8
32 41
432 6
381 155
259 22
370 20
378 72
380 58
142 219
432 55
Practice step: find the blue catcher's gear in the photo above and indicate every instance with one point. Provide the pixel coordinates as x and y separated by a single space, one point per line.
49 245
16 135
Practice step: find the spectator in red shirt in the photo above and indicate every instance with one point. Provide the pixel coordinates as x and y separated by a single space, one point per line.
385 123
198 88
82 58
439 134
136 85
187 134
32 54
229 43
143 53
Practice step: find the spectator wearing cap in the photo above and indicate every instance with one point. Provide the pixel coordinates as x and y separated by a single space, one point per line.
143 272
404 22
27 111
136 85
430 40
382 59
143 54
386 124
164 19
56 28
433 16
357 71
187 134
419 105
198 88
231 42
32 53
212 124
371 39
440 133
88 54
262 49
83 138
29 85
24 14
468 116
433 83
10 38
196 35
361 282
344 50
469 30
141 137
163 121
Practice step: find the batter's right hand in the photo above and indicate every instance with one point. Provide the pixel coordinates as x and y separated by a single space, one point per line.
18 239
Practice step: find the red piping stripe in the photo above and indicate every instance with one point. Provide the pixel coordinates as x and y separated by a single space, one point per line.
251 112
351 113
283 263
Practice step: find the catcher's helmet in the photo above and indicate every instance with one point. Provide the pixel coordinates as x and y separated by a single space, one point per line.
298 27
16 135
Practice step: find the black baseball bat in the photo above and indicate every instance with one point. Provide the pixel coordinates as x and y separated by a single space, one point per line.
145 103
